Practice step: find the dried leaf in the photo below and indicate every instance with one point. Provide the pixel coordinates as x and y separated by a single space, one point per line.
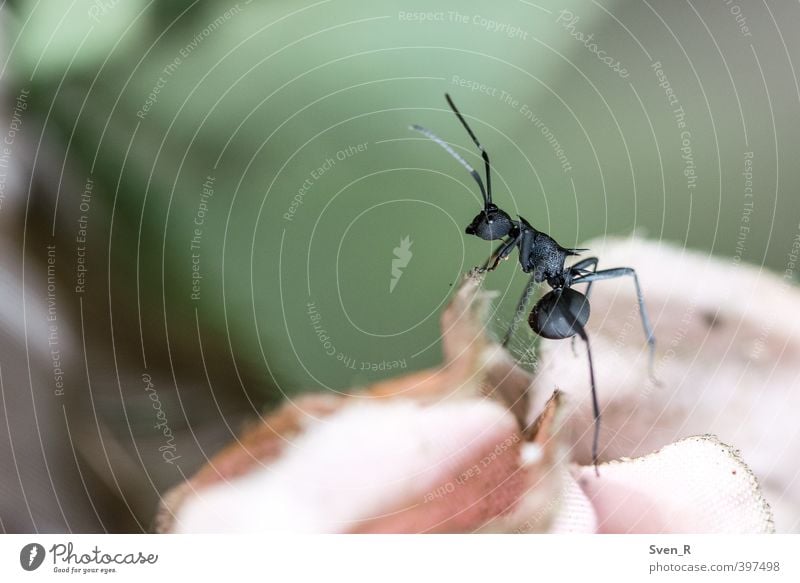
425 452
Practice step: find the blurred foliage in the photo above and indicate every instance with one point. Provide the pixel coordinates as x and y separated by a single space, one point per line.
152 100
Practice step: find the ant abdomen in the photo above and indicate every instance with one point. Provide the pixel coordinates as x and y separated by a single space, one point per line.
561 313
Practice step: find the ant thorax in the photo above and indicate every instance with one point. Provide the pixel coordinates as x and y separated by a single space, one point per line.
545 258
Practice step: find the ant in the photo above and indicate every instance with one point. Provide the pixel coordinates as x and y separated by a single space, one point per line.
562 312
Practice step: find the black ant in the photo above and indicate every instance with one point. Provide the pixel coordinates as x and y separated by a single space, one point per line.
563 312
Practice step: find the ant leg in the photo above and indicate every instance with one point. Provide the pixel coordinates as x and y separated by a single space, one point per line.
595 405
519 314
574 271
525 240
499 254
526 244
648 330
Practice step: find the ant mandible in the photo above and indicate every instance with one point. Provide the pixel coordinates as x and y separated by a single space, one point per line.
562 312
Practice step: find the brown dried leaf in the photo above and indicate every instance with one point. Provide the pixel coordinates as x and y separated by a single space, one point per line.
425 452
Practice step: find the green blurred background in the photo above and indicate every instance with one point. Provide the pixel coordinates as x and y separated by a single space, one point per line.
228 112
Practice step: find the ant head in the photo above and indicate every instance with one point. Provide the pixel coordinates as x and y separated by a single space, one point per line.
490 224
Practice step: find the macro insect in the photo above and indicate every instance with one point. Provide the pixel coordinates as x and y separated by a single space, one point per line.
562 312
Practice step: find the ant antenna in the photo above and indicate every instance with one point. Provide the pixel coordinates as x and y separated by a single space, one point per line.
484 153
429 134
